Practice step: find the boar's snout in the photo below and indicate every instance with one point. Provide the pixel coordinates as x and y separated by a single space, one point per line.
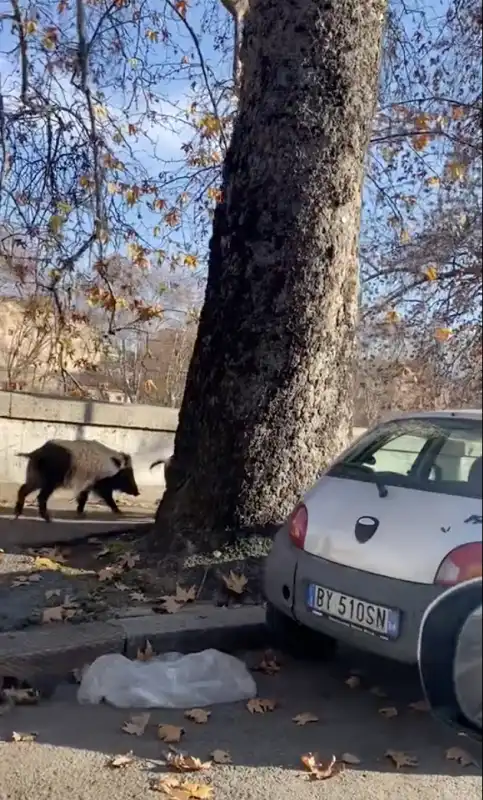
126 482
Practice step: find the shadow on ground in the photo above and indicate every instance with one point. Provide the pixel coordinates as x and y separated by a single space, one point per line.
348 722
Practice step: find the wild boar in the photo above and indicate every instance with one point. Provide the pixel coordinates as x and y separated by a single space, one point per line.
78 464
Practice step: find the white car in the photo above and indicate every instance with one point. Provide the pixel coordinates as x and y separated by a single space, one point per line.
393 522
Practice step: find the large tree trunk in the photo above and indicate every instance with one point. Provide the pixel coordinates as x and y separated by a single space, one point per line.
268 399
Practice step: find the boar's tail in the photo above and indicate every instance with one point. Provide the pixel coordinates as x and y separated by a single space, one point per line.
157 463
23 455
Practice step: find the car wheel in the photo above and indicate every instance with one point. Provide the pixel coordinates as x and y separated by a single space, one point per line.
287 635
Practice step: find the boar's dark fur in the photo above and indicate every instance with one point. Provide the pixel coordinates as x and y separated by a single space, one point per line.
82 465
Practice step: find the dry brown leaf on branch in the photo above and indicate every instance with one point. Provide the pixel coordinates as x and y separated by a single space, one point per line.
199 715
401 759
260 705
235 583
350 758
146 653
420 705
182 762
170 734
221 757
305 718
353 682
320 770
120 761
23 737
269 664
389 712
137 724
22 697
459 755
185 595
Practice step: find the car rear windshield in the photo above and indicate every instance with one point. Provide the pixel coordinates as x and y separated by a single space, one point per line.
437 454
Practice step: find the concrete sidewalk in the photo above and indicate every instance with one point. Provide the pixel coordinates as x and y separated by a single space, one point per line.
46 655
32 531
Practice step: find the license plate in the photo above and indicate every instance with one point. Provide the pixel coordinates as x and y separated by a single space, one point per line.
369 617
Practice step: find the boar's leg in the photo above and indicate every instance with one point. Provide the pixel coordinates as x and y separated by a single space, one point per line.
105 493
22 494
42 499
81 501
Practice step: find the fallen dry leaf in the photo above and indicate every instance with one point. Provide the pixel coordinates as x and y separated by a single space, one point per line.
182 762
350 758
54 554
420 705
320 770
108 573
388 712
235 583
52 593
129 560
22 697
78 672
259 705
55 614
136 725
221 757
24 580
146 653
46 564
459 755
23 737
177 788
305 718
353 682
269 664
121 587
169 605
138 597
377 691
117 762
400 759
170 733
199 715
185 595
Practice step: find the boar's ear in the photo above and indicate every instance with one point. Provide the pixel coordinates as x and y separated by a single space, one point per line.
127 459
117 462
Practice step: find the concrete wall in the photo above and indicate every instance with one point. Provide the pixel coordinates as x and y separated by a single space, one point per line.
28 420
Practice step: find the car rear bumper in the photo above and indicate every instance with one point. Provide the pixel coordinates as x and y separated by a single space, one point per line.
289 571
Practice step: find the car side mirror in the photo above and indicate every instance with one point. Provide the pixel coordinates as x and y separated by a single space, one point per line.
450 657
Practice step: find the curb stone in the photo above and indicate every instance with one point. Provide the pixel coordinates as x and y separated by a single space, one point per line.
224 629
45 656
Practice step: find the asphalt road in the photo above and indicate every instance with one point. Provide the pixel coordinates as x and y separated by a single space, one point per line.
68 760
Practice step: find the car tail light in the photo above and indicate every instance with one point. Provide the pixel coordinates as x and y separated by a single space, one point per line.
298 522
462 564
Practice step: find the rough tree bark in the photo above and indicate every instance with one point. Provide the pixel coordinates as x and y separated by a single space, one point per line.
268 399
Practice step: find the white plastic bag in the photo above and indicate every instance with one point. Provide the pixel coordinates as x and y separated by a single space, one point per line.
172 681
